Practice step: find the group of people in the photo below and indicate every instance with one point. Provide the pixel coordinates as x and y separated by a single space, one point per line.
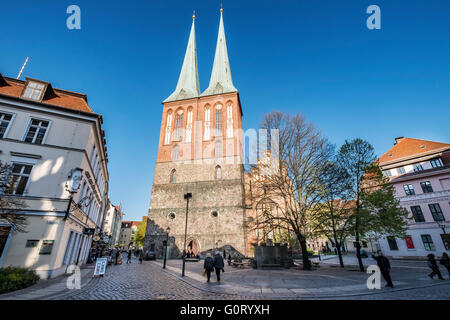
211 264
115 255
385 266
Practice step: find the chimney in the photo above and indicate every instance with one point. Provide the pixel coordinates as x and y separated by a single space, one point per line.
398 139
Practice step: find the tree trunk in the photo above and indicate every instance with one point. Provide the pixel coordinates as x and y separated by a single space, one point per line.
358 253
306 262
338 249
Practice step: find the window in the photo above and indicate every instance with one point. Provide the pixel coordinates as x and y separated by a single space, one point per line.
37 131
426 187
409 189
178 126
171 216
229 120
435 163
168 128
214 214
189 126
176 153
446 240
428 242
218 173
387 173
34 91
418 167
392 243
207 124
417 214
401 170
47 246
409 242
31 243
218 121
218 151
436 212
173 176
19 178
5 119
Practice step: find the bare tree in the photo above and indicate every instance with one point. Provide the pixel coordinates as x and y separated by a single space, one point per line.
334 221
10 205
292 177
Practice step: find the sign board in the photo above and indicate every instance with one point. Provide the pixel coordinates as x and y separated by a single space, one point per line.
89 231
105 239
100 266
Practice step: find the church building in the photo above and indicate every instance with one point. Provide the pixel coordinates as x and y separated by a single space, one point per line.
200 152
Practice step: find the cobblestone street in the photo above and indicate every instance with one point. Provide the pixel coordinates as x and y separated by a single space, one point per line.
149 281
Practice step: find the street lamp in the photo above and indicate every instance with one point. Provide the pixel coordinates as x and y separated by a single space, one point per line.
165 247
187 196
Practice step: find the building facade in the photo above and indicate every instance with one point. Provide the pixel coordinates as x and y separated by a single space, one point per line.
200 152
46 135
420 173
112 223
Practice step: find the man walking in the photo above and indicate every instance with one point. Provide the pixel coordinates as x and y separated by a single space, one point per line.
218 264
129 256
434 267
385 267
208 266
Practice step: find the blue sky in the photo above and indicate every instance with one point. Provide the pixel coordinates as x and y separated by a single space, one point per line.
315 57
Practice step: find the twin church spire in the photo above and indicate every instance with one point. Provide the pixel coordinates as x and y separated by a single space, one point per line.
188 83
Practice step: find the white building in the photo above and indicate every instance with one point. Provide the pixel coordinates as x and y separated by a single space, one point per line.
46 133
112 223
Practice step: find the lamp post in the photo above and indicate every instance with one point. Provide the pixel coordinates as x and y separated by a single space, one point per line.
187 196
165 247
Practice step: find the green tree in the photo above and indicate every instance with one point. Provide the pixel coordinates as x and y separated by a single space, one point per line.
374 210
140 233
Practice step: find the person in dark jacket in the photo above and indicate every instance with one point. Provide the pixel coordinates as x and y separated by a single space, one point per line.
218 265
208 266
129 256
434 267
385 267
229 260
117 255
445 261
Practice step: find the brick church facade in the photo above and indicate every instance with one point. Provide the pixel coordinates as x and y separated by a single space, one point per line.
200 152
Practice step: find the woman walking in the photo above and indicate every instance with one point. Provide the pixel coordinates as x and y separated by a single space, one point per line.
208 266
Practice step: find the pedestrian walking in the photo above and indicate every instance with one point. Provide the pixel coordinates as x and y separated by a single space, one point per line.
129 256
141 256
434 267
229 260
385 267
208 266
117 254
218 265
445 261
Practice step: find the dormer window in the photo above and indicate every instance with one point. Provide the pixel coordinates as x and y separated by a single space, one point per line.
34 91
436 163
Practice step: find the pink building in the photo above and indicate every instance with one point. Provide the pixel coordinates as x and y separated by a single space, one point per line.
420 173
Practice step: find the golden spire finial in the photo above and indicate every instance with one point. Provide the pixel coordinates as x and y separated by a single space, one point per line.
193 15
221 8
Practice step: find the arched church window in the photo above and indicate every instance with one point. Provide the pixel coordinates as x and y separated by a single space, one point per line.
218 121
218 173
178 125
229 120
173 176
189 126
218 149
176 153
168 127
207 123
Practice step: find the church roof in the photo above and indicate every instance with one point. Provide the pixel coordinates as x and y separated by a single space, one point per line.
188 83
406 148
220 81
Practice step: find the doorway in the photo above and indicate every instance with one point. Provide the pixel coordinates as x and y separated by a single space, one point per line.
193 247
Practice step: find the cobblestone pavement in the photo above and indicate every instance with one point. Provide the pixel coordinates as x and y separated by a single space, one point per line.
148 281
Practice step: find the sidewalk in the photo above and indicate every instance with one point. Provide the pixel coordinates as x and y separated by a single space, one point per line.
45 289
328 281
